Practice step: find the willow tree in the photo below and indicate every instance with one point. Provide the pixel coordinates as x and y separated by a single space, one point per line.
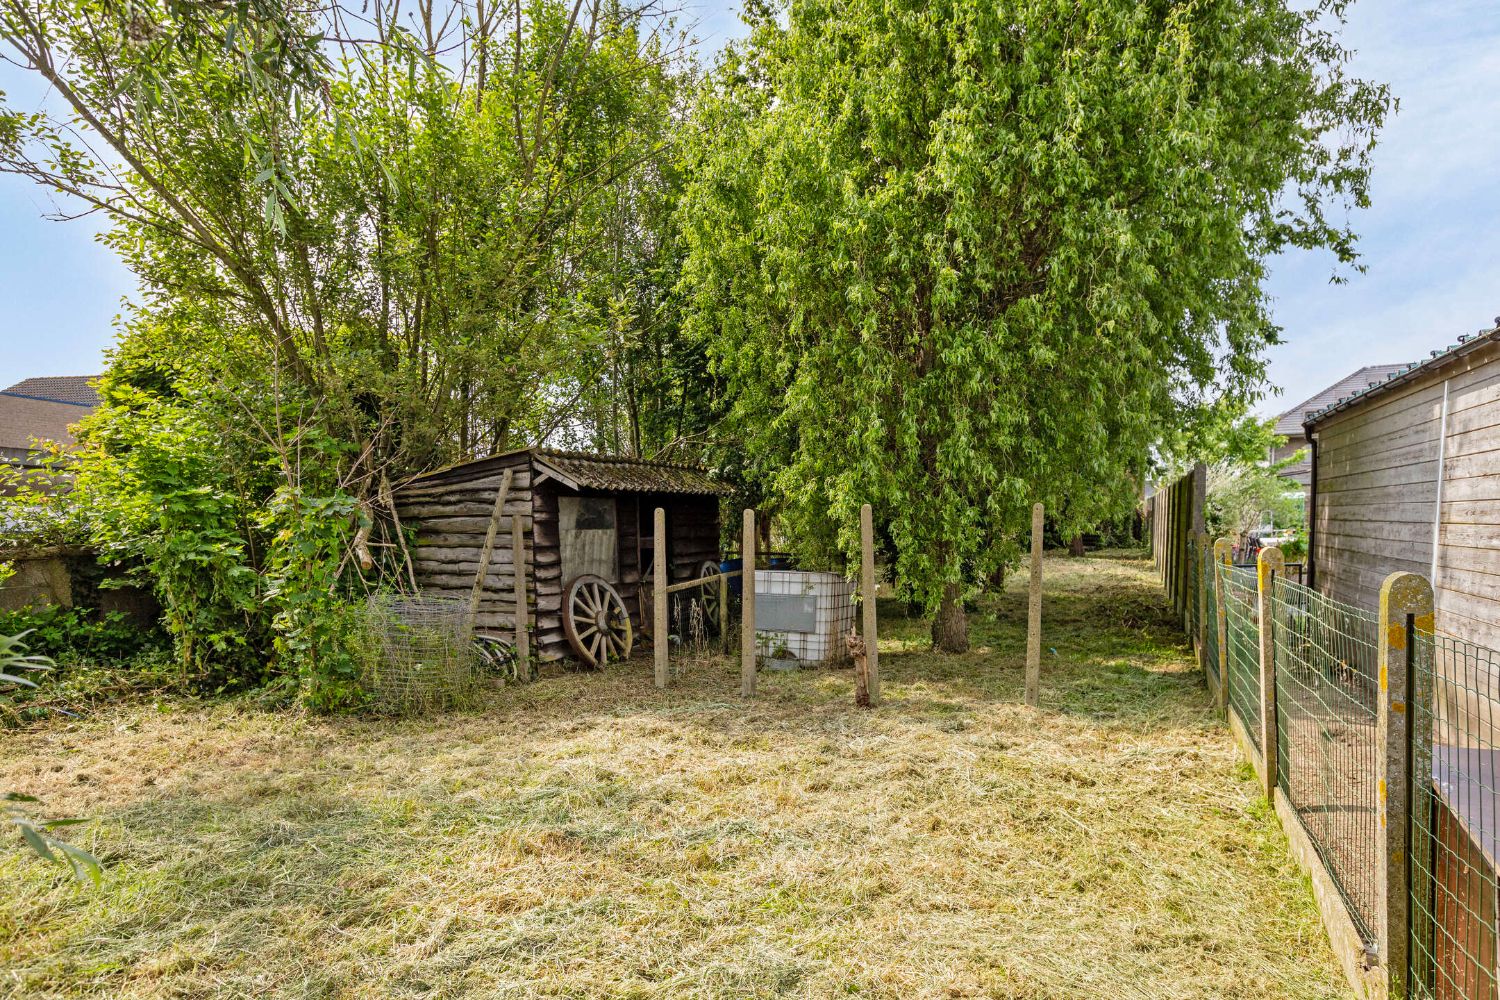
958 256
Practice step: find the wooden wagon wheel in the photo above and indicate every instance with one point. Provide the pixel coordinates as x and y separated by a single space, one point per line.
708 595
595 620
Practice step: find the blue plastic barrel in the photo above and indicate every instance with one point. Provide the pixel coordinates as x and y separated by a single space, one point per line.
730 566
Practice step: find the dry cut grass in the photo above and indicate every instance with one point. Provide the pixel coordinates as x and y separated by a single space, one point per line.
589 836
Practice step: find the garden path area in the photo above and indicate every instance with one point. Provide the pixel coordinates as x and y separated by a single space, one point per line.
589 836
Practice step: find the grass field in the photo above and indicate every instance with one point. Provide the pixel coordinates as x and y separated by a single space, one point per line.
589 836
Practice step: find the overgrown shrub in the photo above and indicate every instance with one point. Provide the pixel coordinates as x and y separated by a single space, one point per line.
76 635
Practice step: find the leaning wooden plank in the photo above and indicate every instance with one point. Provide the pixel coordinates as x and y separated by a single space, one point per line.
489 543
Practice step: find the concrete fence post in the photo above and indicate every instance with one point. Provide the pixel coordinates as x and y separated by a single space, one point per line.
1034 611
1405 609
747 606
1223 554
867 588
1269 566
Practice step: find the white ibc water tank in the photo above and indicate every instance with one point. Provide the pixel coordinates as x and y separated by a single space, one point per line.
802 615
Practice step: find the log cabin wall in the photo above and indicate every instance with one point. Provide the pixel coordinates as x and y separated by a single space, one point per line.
450 514
693 529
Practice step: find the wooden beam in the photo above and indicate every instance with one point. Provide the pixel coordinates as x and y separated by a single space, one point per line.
659 638
489 544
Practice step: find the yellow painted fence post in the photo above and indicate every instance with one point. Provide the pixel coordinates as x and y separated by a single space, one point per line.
1406 610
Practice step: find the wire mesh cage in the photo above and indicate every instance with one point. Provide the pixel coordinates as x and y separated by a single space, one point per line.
1454 830
1326 659
802 616
418 653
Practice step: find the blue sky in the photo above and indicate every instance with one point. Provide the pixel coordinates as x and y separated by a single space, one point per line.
1431 240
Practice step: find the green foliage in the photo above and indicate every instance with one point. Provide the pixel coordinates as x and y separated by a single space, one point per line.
16 657
957 257
172 485
1221 431
76 635
37 833
367 246
1243 495
313 632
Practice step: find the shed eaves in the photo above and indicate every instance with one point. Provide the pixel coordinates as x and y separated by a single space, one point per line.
1405 373
581 470
601 472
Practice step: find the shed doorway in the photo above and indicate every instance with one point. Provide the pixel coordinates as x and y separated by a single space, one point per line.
589 537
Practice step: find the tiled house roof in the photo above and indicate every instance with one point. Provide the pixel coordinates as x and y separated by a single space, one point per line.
1289 424
44 409
77 390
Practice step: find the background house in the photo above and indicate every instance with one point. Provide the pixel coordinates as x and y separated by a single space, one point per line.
44 409
1289 424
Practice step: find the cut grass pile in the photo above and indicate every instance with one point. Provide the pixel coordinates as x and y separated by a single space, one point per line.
589 836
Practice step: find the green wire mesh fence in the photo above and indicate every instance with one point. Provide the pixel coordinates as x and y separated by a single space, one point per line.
1237 589
1454 830
1327 747
1329 754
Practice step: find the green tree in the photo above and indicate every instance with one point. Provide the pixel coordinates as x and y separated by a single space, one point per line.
371 239
955 257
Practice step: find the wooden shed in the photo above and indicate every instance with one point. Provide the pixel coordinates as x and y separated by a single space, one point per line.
1406 476
581 516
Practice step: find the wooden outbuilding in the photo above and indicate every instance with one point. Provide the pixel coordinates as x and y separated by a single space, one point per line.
581 517
1406 476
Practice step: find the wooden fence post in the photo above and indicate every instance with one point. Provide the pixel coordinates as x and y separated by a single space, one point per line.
1405 609
723 611
659 637
1034 612
747 607
518 570
1223 554
1269 565
867 599
1205 570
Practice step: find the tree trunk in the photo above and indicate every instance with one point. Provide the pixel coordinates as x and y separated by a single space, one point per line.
1075 547
950 629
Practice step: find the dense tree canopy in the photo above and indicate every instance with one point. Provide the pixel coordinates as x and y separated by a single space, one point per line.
954 257
372 239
